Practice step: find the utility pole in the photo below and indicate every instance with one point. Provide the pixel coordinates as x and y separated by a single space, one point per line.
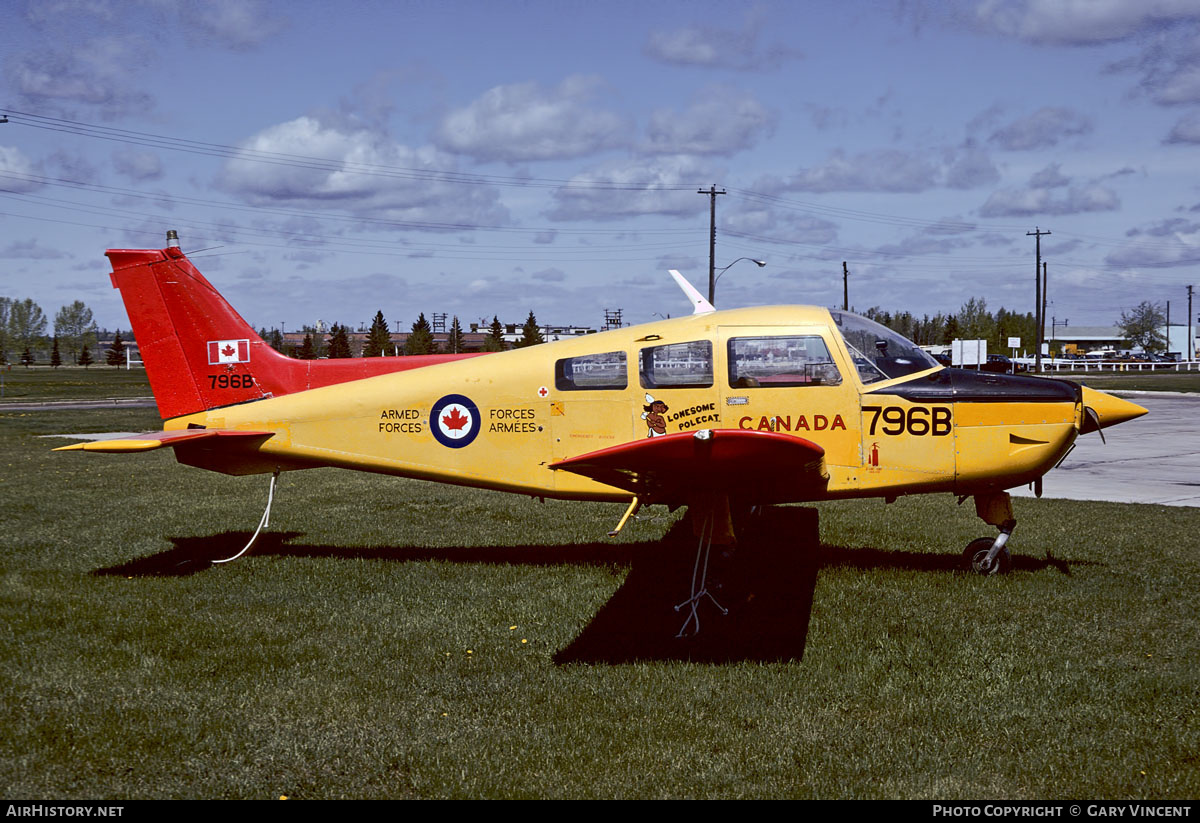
1054 327
845 287
1037 301
712 241
1045 293
1191 346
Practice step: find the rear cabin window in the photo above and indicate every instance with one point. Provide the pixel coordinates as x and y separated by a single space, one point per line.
592 372
781 362
677 366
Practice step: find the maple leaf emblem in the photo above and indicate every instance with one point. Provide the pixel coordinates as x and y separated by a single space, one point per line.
228 350
455 421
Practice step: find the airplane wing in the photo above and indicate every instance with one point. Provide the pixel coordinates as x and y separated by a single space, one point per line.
754 465
158 440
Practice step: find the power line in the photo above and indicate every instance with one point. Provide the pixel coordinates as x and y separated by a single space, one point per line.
891 259
220 150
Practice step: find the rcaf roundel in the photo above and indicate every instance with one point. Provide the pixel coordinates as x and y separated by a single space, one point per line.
228 351
455 421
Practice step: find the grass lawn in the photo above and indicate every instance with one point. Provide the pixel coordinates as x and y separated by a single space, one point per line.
401 639
22 385
1147 381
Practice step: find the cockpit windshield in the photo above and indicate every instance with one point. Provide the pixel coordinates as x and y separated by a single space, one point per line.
878 352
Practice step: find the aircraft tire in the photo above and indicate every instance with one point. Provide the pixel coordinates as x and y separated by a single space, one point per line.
977 550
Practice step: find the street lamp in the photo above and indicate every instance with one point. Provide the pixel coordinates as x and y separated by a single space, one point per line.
759 263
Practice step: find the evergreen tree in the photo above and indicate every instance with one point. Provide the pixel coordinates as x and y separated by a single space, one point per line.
904 324
880 316
272 338
951 331
455 343
379 342
116 352
932 330
339 342
319 349
420 339
85 356
531 335
55 357
307 352
1011 324
495 338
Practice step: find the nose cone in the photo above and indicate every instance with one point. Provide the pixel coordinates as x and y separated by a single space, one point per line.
1109 410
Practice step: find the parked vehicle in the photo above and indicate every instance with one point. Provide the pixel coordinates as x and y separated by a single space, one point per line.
1000 364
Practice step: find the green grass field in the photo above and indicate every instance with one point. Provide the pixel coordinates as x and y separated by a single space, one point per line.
22 385
398 639
1148 381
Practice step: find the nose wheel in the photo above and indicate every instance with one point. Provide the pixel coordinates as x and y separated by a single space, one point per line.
975 557
988 556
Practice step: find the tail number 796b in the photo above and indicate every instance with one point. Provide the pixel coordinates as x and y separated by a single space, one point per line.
916 420
230 381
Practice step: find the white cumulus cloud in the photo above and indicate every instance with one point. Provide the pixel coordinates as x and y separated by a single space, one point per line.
360 171
523 121
16 171
1042 129
661 185
1081 22
720 120
715 47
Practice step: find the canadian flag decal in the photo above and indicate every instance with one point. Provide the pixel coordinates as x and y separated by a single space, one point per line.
228 351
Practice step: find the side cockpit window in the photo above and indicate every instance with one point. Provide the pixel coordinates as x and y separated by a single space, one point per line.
781 362
591 372
677 366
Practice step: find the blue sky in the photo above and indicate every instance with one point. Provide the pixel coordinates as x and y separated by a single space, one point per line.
326 160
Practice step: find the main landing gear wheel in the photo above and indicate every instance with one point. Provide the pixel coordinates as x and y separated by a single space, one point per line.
977 551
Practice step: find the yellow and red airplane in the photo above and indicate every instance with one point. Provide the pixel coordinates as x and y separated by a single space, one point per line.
719 411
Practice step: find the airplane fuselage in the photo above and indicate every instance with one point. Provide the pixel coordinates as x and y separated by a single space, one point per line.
503 420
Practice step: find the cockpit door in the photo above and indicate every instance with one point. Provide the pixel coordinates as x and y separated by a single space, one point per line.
790 379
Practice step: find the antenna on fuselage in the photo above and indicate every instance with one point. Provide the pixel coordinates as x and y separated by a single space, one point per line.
701 306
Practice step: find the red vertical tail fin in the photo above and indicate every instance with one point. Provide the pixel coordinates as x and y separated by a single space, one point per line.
199 352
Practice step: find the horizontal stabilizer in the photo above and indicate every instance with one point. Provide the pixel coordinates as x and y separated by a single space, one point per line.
157 440
750 465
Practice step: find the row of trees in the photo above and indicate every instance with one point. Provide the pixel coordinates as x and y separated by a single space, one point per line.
972 322
1141 326
336 342
23 336
23 333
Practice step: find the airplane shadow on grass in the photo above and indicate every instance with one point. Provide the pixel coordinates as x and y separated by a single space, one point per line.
766 584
